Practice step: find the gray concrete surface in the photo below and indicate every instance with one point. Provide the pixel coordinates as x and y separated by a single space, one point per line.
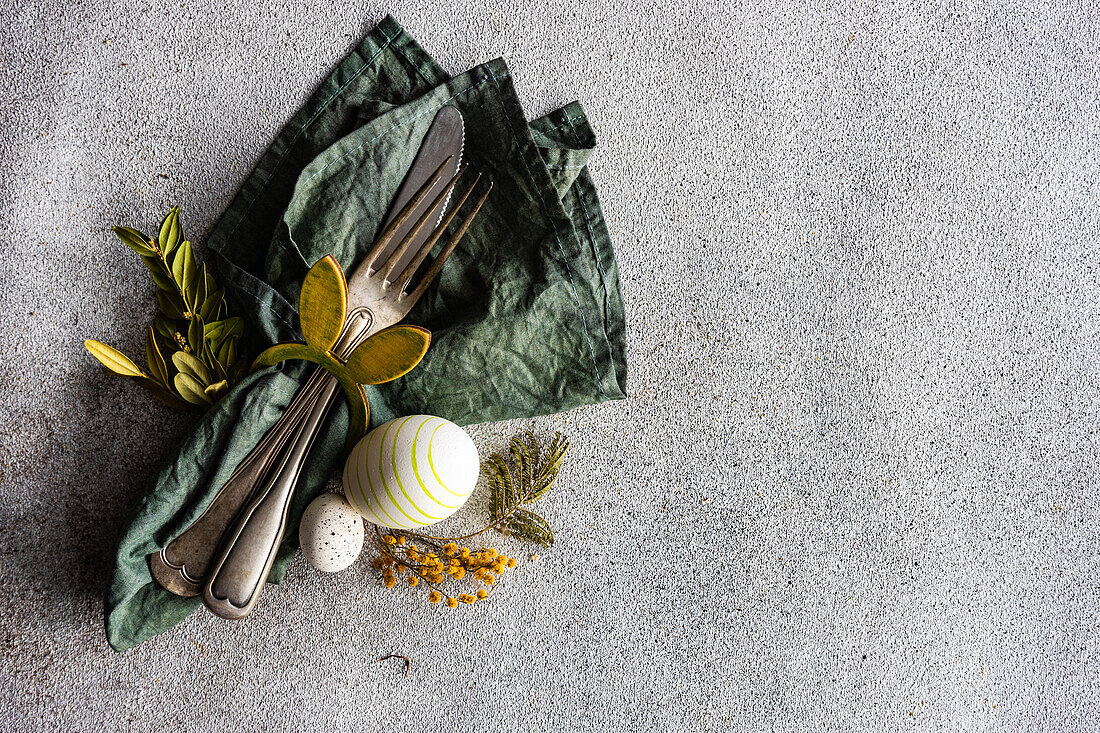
854 488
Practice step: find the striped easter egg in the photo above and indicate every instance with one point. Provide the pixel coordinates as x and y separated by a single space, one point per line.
411 472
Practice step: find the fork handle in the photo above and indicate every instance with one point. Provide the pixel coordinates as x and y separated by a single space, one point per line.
183 566
248 550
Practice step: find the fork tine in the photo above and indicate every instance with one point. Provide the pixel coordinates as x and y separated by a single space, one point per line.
435 211
384 238
437 265
414 263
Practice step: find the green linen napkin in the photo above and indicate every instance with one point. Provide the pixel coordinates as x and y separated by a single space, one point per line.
526 318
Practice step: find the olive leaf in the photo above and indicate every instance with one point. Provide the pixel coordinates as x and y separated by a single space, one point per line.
170 231
135 240
196 334
113 359
183 269
221 338
227 351
211 305
212 360
216 390
195 288
153 357
192 366
170 304
191 389
214 331
231 327
193 322
164 326
161 276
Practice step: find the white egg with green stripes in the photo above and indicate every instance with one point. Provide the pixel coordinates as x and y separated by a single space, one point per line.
411 472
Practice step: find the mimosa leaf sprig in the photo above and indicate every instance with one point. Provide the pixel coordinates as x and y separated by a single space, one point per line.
200 338
434 562
383 357
531 478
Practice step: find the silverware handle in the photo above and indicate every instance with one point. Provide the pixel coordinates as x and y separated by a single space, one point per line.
183 564
248 551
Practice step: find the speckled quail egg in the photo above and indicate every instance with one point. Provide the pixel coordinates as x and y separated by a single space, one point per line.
331 533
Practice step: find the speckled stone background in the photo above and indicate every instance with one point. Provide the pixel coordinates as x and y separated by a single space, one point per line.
854 487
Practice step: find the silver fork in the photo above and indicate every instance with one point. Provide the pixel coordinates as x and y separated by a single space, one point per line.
183 565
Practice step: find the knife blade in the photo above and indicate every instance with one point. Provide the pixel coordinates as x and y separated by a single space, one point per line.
445 138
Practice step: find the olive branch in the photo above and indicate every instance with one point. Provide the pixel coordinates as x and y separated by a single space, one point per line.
194 321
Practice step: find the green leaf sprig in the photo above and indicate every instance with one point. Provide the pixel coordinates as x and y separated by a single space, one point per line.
202 339
530 478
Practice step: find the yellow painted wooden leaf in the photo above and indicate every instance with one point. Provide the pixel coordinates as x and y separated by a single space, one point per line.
323 303
385 356
388 354
358 408
113 359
